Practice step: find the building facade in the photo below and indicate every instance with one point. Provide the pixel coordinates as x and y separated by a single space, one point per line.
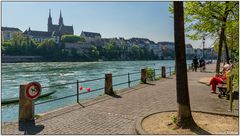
8 32
38 36
91 37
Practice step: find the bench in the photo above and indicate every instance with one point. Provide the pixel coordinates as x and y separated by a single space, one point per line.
222 88
226 88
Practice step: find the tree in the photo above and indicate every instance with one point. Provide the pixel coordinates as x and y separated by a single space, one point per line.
94 53
49 48
72 38
20 45
136 51
184 117
210 18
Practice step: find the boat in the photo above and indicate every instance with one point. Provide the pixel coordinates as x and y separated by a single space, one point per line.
16 99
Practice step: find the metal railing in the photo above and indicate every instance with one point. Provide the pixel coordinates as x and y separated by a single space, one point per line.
169 71
94 90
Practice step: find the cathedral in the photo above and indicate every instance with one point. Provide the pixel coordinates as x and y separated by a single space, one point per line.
59 28
54 31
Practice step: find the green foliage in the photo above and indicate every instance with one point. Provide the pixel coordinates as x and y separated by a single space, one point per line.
235 73
94 53
136 51
158 78
72 38
48 48
19 45
210 19
150 73
205 17
37 116
174 119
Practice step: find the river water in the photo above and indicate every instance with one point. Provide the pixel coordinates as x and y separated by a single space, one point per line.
56 73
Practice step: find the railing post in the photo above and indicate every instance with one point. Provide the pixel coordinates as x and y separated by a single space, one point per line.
108 84
175 68
26 106
129 81
229 88
163 72
144 76
154 74
170 71
77 92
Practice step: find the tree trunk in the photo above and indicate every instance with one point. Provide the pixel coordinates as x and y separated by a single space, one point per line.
226 48
226 12
220 50
184 117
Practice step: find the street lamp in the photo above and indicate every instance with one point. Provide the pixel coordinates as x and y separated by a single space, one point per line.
203 40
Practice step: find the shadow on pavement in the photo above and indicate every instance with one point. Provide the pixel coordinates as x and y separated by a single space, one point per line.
208 72
149 84
29 127
116 96
199 131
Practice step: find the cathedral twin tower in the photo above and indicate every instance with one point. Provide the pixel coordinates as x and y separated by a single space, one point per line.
59 28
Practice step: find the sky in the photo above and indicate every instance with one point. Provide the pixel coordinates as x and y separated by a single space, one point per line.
150 20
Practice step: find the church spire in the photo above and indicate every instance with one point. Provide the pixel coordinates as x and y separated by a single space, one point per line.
60 19
50 13
49 18
49 21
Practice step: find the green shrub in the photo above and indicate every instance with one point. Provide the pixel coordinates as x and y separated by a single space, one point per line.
150 74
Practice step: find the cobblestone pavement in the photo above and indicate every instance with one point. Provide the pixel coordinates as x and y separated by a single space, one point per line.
110 115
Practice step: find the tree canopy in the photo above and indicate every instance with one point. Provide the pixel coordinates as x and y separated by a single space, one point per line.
217 20
72 38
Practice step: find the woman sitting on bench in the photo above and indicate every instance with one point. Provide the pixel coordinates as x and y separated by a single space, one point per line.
219 79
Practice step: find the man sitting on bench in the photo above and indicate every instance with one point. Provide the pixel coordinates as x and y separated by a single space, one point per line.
219 79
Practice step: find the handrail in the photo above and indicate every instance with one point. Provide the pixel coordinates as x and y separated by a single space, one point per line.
119 75
90 80
59 85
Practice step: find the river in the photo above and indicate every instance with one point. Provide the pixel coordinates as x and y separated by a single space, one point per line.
56 73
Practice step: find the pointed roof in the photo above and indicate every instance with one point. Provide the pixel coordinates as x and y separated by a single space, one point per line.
10 29
60 22
60 13
50 13
90 34
38 33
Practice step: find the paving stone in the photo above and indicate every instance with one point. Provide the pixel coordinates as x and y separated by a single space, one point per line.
109 115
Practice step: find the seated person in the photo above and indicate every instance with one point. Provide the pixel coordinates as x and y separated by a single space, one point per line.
219 79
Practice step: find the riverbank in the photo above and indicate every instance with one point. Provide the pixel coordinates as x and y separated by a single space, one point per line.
111 115
23 59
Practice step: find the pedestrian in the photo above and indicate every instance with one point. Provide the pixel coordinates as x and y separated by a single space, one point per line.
200 64
204 65
195 63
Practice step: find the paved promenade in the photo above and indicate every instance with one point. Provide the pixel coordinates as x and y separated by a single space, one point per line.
117 115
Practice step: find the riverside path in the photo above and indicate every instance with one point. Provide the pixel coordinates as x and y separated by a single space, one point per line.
117 115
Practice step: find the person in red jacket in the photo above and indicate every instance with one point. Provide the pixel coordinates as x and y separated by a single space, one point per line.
219 79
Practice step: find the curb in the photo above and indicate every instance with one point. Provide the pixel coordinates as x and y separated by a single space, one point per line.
140 131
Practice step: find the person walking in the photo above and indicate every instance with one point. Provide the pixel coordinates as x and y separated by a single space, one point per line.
195 63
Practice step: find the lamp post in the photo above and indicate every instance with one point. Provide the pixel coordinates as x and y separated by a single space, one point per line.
203 40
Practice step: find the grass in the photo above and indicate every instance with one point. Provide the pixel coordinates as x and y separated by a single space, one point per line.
174 119
37 116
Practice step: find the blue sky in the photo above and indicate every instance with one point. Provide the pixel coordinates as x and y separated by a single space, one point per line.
150 20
